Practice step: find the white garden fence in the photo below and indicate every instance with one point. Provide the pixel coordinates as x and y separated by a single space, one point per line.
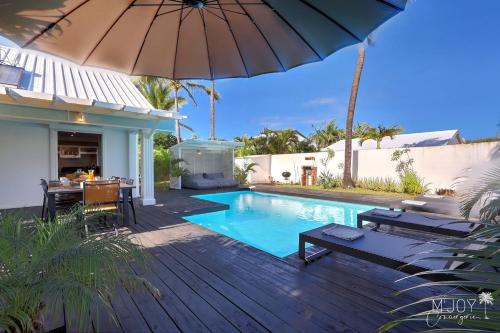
441 167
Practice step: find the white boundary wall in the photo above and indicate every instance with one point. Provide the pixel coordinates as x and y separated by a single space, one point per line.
441 167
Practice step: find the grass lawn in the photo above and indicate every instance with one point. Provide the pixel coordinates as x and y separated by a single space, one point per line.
356 190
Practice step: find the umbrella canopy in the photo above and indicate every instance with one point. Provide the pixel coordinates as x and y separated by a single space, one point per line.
193 39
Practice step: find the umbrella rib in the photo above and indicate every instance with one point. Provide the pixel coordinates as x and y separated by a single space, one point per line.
206 44
228 10
262 34
211 12
234 38
292 27
187 14
108 30
331 19
53 24
177 41
393 6
169 12
146 36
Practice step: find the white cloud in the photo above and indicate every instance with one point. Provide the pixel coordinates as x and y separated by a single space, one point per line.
320 101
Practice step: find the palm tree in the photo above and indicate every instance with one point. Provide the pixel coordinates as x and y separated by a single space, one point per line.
347 179
360 128
378 133
188 87
214 96
328 135
284 141
158 92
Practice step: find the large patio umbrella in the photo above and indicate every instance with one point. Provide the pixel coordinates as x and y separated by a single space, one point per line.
193 39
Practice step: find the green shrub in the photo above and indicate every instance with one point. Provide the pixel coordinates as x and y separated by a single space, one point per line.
176 170
327 180
411 183
161 164
241 174
386 184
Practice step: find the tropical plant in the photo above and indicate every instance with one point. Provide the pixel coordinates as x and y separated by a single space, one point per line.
273 142
378 133
248 146
158 92
326 178
176 169
164 140
188 87
359 129
327 135
484 191
347 179
386 184
410 182
241 173
480 254
45 265
161 164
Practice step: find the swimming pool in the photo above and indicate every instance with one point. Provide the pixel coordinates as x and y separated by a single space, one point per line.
272 222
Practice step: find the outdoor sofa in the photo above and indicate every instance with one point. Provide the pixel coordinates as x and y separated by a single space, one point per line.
207 181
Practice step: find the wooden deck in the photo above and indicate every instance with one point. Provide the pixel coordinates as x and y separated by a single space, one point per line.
211 283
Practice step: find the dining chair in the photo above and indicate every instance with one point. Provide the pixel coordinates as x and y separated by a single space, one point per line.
130 198
101 196
63 202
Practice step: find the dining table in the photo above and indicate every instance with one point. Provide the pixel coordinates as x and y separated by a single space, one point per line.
54 190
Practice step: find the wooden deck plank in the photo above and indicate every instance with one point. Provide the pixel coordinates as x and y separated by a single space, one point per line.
180 313
214 320
103 322
240 318
127 313
268 294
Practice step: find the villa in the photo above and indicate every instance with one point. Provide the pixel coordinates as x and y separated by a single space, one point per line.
60 118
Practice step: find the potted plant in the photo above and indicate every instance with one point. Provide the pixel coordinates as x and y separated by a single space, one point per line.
49 264
286 174
176 173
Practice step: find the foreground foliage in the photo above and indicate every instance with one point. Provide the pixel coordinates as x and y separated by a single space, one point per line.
480 253
44 264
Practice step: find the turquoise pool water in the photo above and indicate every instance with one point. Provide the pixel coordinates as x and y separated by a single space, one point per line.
272 222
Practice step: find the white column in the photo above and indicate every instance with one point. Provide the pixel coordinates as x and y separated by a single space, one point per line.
148 181
53 155
133 160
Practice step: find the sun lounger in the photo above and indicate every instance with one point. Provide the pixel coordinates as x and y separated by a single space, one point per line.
388 250
420 222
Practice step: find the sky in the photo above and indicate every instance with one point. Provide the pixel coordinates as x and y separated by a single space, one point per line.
436 66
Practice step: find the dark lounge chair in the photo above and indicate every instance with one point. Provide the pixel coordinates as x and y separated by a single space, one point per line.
416 221
387 250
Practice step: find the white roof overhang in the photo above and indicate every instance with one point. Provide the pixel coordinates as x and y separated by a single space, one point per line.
29 98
